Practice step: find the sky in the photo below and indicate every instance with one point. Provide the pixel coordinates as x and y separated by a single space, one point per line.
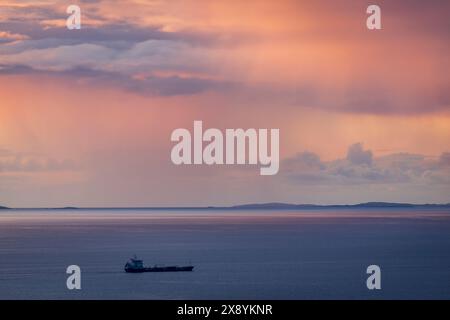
86 115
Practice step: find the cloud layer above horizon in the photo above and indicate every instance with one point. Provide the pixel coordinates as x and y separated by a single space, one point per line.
138 69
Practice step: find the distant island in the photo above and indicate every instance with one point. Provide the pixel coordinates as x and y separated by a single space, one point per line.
265 206
287 206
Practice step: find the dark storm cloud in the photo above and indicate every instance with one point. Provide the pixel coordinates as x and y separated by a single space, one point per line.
122 48
152 85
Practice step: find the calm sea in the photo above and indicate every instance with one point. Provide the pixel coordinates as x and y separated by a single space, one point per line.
317 254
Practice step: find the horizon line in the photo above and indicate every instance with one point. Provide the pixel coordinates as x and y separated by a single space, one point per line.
248 206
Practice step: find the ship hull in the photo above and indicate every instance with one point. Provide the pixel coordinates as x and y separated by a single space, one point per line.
159 269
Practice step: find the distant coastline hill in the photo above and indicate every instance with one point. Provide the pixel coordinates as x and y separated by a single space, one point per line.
281 206
3 208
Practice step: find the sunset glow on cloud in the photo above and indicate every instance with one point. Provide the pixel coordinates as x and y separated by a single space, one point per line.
86 115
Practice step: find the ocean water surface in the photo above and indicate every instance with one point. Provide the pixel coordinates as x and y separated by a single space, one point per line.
266 254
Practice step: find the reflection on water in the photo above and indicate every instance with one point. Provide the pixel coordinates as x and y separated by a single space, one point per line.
197 216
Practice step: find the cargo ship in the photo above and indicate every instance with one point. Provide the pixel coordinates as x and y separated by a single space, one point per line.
135 265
